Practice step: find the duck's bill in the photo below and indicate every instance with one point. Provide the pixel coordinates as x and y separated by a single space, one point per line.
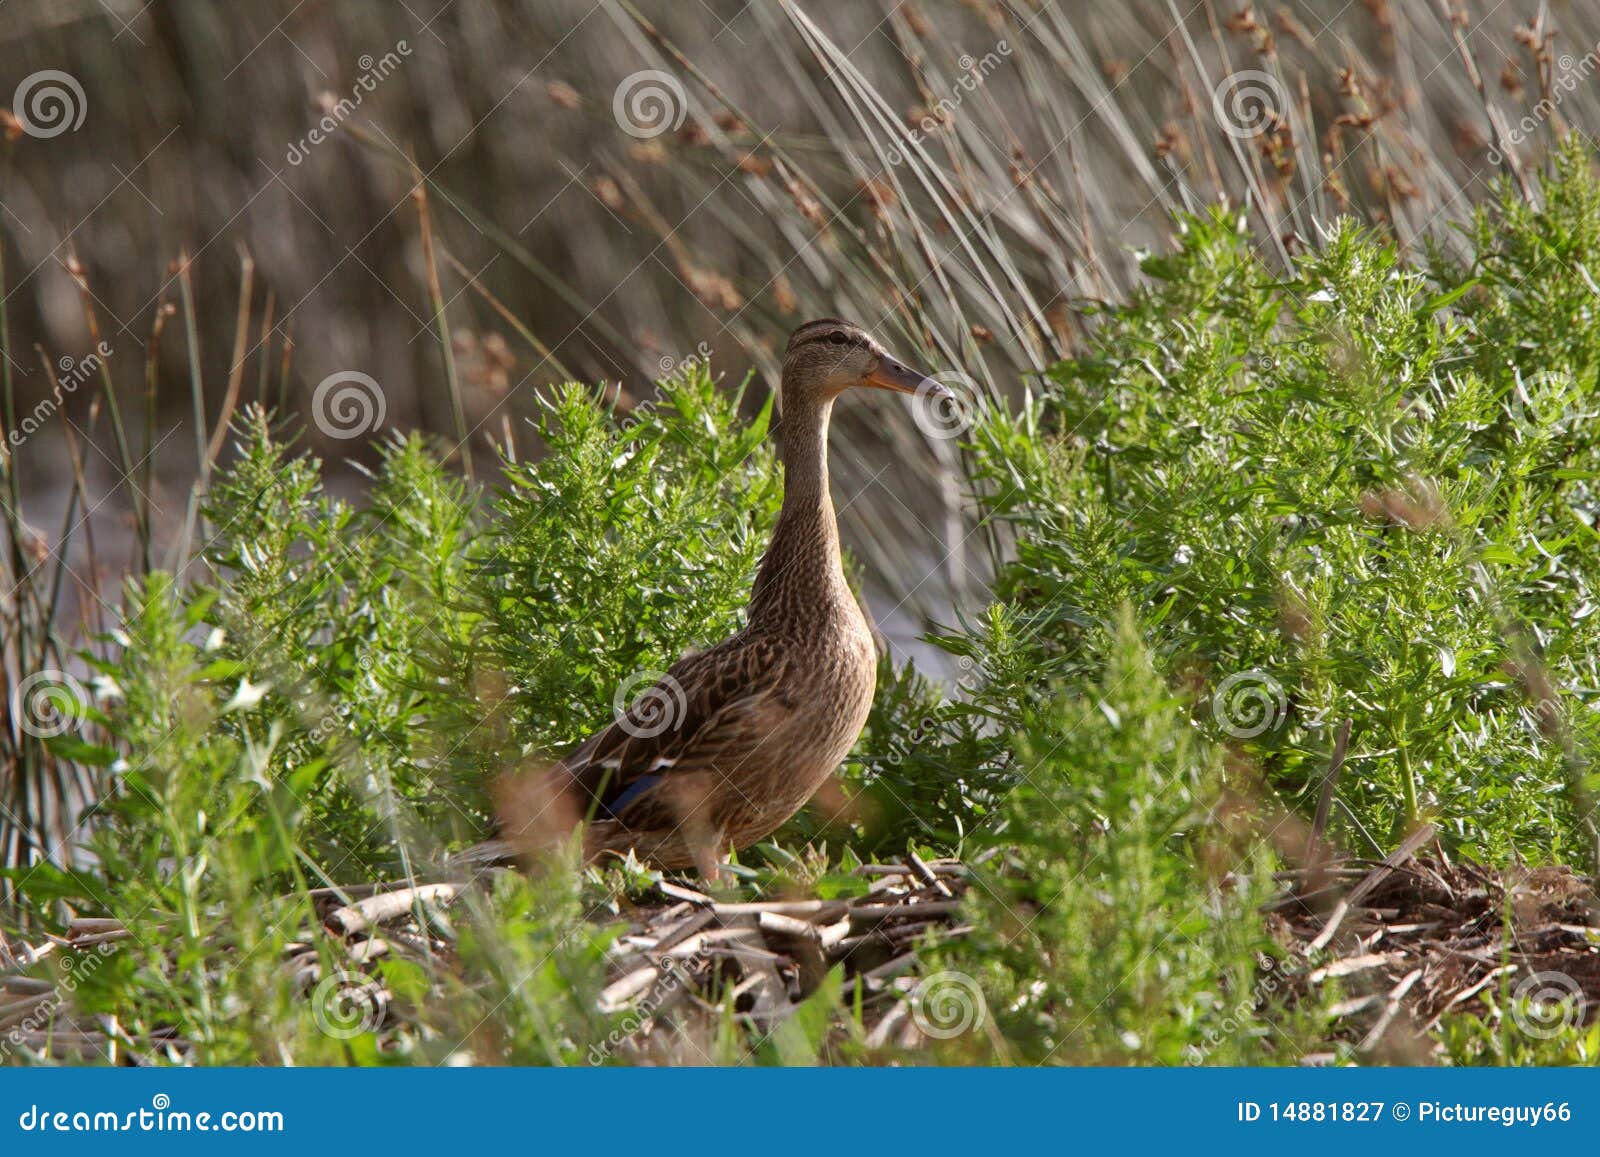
889 374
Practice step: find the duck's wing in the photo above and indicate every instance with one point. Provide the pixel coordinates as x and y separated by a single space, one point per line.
709 710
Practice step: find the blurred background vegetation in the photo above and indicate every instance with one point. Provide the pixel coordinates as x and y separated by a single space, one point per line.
1064 137
1274 326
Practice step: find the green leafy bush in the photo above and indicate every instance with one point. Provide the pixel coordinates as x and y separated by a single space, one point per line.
324 696
623 546
1323 507
1118 924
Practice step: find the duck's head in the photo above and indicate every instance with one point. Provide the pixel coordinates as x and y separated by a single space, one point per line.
826 357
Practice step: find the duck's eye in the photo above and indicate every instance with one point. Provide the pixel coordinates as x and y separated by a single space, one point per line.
838 339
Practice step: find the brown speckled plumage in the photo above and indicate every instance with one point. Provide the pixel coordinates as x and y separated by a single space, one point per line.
734 740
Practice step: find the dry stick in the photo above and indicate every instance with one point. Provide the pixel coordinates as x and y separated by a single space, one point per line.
785 934
1352 1005
196 393
152 380
891 1022
76 496
1382 872
95 582
871 915
284 360
458 414
183 548
266 348
375 910
1390 1009
676 892
1353 965
26 985
617 994
1330 781
141 513
241 335
818 910
15 1011
928 875
683 930
1468 993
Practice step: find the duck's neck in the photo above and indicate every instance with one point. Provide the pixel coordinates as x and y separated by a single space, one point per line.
802 573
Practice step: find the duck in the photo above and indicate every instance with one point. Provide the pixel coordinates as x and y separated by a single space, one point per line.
732 741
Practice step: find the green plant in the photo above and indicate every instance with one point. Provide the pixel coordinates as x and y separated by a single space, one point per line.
1118 926
1320 512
